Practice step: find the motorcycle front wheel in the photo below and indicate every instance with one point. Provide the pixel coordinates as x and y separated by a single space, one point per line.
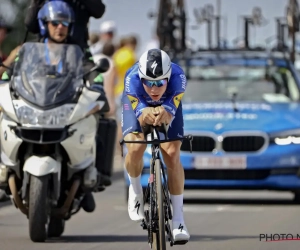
37 214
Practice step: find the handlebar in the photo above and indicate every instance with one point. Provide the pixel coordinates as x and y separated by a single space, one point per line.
186 138
149 129
157 141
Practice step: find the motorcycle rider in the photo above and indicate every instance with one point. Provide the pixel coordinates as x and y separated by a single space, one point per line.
83 10
56 20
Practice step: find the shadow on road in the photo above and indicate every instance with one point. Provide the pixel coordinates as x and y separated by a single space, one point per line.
222 237
139 238
199 201
99 238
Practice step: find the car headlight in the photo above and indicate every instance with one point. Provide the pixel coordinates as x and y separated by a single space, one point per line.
28 115
286 137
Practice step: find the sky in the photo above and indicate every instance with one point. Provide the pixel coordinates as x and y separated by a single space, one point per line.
131 17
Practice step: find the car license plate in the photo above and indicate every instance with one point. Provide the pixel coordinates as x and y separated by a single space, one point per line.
220 162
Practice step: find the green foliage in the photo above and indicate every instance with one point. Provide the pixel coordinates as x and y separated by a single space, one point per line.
13 12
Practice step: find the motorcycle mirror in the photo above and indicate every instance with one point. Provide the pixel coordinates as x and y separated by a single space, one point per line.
102 65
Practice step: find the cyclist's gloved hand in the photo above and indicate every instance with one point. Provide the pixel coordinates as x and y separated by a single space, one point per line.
148 116
163 116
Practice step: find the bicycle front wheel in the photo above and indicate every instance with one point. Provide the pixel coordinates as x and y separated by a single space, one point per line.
161 243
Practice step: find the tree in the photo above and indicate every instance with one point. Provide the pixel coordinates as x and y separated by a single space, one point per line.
13 11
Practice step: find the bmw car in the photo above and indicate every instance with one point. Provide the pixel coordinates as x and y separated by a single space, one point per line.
243 110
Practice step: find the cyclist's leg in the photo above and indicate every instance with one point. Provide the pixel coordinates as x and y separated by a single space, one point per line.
171 155
134 160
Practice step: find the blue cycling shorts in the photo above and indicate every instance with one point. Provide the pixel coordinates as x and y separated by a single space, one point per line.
130 123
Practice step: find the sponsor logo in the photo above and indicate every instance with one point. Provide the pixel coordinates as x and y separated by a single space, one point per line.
134 101
127 82
153 66
177 99
183 81
137 205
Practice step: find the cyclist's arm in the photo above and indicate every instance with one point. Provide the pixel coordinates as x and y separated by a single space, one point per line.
176 89
138 103
134 93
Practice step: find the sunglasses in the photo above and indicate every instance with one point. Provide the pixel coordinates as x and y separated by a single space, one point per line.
63 23
158 83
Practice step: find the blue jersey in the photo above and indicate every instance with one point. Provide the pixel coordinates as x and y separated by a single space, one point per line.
139 99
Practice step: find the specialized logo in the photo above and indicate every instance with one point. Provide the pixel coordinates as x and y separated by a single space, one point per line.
177 99
137 205
180 227
134 101
153 66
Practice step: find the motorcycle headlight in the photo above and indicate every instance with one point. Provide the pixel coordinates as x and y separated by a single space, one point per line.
286 137
28 115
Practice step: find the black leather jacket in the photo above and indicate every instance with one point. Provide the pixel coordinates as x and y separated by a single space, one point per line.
83 10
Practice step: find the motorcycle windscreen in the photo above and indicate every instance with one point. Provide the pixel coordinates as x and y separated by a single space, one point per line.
48 74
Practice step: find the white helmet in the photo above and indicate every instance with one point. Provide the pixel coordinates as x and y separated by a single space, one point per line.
154 65
108 26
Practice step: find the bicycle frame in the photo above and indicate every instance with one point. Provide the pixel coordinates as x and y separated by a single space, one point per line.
150 222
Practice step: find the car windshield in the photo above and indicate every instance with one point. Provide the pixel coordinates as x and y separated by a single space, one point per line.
48 74
244 83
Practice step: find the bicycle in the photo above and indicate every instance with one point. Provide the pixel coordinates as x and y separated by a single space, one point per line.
159 212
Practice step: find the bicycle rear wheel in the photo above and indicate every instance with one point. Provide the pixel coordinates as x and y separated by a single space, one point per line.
161 237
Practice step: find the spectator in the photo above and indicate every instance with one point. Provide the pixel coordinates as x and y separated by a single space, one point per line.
107 34
109 77
93 39
124 58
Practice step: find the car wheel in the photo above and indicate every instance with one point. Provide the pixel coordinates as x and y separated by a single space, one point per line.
297 196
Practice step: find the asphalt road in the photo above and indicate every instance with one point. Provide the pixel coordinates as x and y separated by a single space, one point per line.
216 220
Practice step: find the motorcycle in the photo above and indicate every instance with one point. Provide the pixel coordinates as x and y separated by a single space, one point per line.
48 127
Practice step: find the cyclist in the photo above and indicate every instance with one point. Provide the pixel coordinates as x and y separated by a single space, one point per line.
154 87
